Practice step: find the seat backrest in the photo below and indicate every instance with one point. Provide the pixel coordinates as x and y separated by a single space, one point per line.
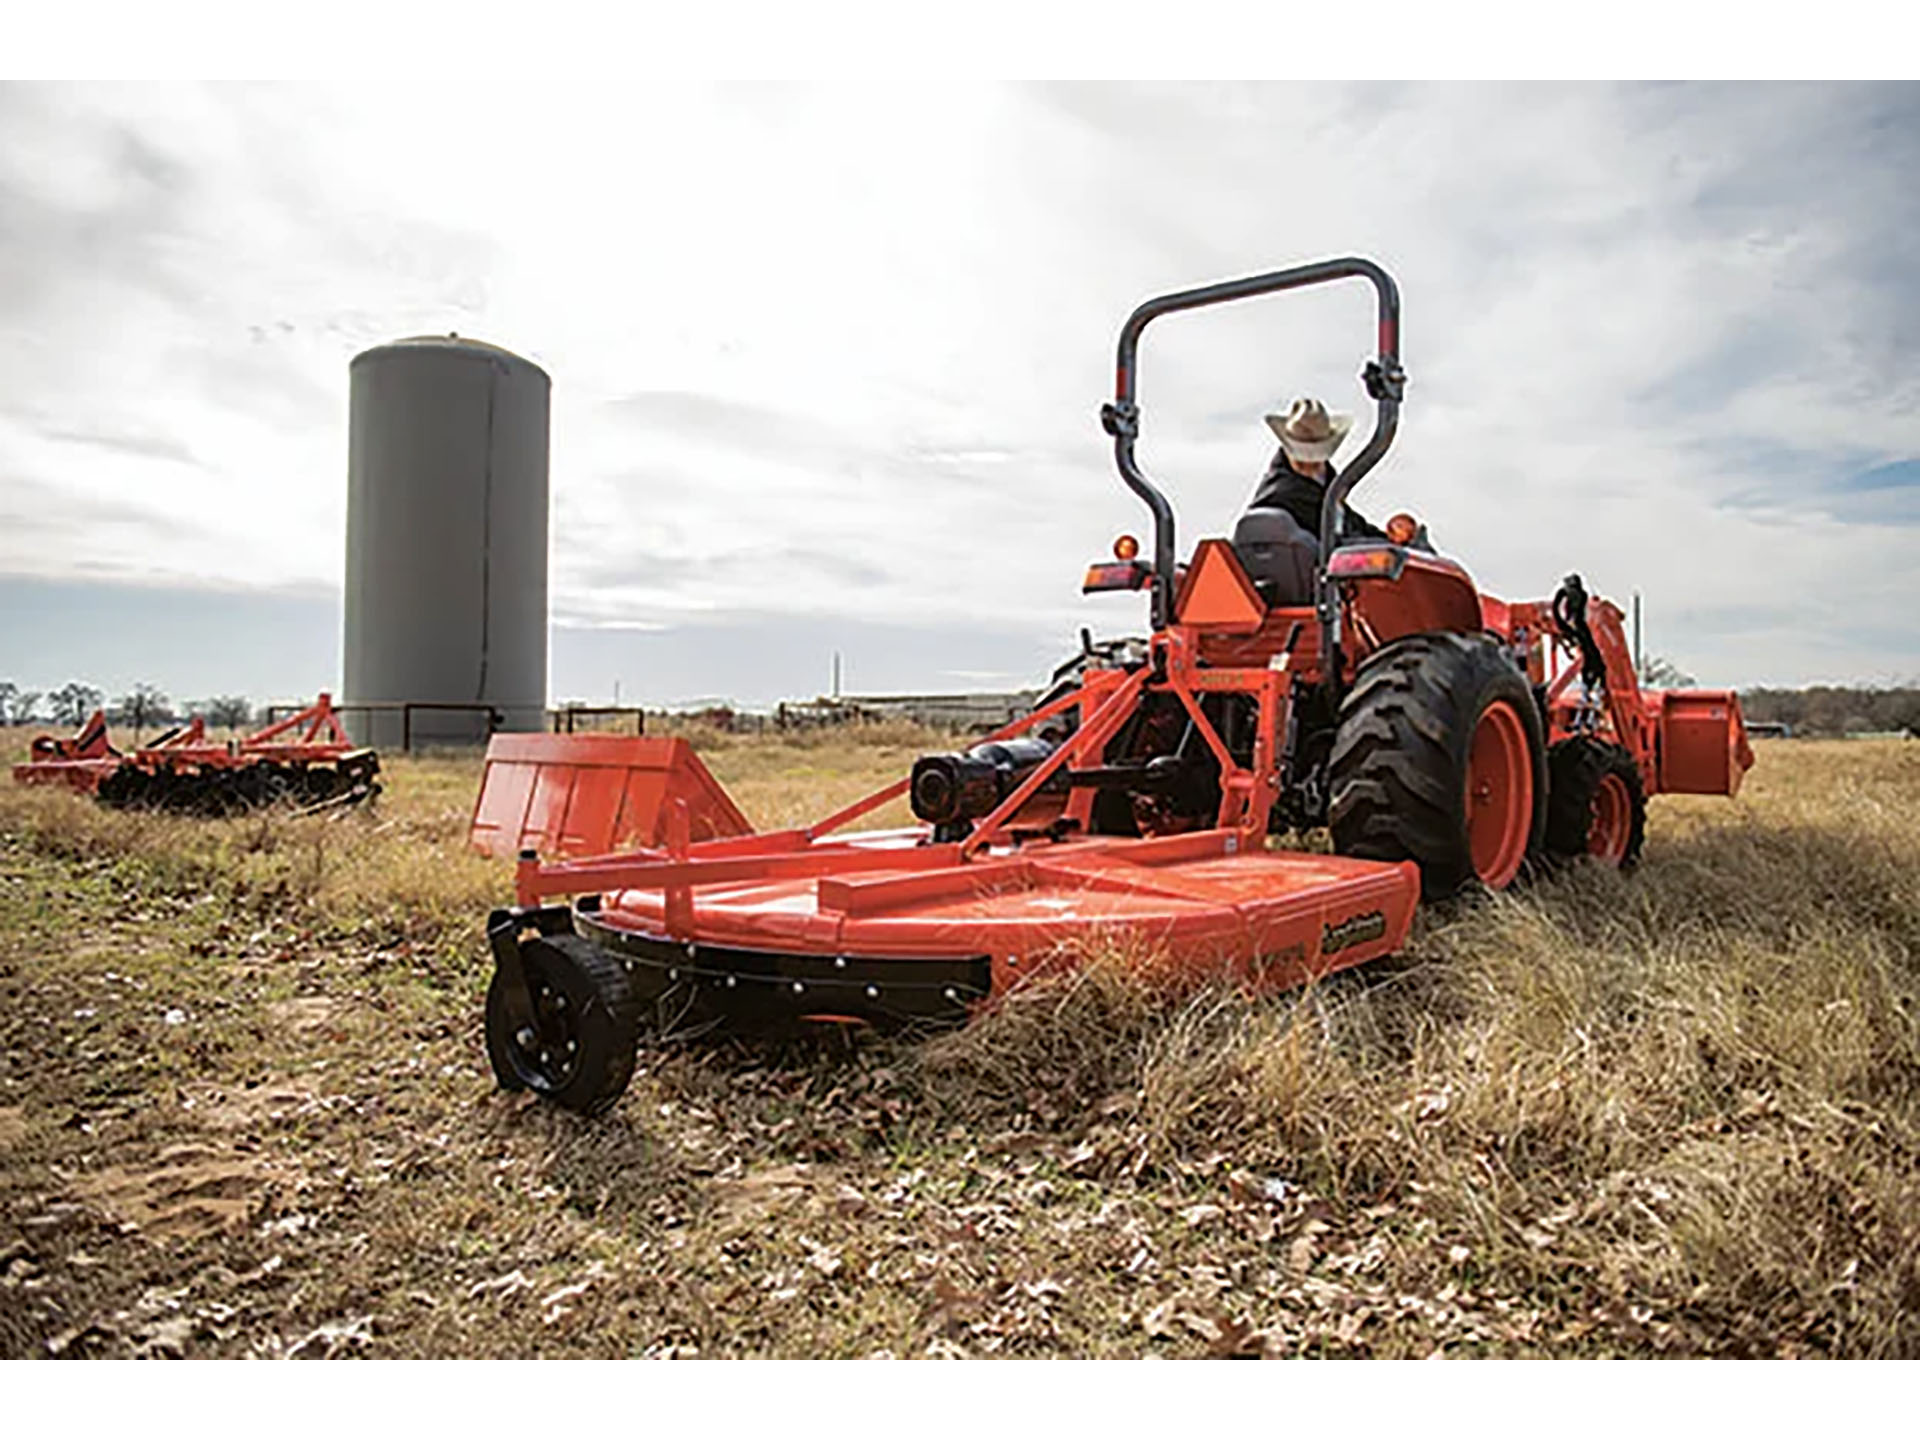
1279 554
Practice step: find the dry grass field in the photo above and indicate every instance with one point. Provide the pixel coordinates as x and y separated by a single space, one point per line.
244 1111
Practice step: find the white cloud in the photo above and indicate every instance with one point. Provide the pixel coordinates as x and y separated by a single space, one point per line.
838 352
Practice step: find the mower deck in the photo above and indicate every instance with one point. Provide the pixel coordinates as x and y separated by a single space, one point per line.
891 927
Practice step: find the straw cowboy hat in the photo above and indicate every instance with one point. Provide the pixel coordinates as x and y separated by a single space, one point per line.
1308 433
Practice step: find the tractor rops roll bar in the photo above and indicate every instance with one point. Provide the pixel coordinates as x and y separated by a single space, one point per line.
1384 379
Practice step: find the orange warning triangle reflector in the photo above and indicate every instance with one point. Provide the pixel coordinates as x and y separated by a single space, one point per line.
1217 595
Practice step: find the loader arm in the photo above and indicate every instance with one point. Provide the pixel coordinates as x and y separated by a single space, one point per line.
1626 703
1681 741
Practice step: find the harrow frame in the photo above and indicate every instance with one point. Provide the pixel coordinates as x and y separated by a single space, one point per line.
184 769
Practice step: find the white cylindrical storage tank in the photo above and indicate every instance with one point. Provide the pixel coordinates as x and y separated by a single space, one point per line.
446 594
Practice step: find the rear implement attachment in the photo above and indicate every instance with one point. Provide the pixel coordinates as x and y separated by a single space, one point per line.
305 760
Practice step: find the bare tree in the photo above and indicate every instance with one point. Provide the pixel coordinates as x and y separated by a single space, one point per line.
73 702
228 710
142 706
9 697
1663 674
26 707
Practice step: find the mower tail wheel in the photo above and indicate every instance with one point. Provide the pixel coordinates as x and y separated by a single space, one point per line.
571 1035
1596 806
1439 759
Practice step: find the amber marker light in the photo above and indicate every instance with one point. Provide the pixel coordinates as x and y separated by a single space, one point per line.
1402 528
1125 548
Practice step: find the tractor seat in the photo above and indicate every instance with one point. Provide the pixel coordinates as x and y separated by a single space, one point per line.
1280 555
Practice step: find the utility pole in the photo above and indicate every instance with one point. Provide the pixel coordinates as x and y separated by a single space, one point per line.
836 674
1639 655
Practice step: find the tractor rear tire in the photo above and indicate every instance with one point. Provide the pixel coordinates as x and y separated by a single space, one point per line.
1596 806
579 1051
1439 758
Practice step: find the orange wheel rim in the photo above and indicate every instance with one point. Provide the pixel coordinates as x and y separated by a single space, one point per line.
1612 821
1499 795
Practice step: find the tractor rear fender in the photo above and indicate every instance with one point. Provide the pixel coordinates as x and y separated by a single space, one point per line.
1419 595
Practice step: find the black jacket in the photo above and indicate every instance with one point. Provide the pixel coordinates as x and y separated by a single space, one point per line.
1284 488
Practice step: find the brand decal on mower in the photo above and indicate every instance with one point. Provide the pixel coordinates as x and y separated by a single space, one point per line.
1356 930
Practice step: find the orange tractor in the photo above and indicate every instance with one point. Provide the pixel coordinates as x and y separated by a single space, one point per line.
1445 739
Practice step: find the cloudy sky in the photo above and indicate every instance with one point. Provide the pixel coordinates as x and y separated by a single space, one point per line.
827 361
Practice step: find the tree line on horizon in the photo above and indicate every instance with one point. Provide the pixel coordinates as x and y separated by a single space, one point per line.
1812 710
1835 709
142 707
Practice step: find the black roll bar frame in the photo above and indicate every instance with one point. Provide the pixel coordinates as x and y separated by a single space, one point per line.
1385 382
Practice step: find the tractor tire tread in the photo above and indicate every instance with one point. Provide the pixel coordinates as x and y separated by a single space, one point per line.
1575 768
1398 763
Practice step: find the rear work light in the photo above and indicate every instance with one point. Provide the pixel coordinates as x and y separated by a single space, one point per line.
1367 562
1117 575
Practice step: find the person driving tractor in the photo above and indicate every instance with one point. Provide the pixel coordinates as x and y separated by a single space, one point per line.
1302 468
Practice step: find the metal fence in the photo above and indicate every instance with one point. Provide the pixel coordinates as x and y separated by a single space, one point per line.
569 717
405 709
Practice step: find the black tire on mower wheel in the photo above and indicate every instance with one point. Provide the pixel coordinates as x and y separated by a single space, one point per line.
1576 769
1397 777
599 1013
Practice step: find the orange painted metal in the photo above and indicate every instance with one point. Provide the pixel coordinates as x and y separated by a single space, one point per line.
1198 902
78 763
1431 593
314 736
1289 636
568 795
1688 742
681 866
1217 594
1499 795
1703 741
1611 827
1212 901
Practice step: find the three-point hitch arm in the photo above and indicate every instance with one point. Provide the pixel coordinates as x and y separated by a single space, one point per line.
1384 379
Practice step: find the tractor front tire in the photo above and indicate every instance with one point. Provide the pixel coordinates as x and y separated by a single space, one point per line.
1596 806
577 1047
1439 759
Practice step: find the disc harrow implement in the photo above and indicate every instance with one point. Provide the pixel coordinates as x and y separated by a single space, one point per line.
305 761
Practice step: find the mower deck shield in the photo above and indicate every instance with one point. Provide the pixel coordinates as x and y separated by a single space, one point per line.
1195 906
595 795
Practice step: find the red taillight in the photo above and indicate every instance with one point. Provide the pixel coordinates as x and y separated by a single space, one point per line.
1367 562
1120 575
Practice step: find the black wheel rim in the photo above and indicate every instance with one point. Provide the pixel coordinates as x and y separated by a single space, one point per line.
545 1045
